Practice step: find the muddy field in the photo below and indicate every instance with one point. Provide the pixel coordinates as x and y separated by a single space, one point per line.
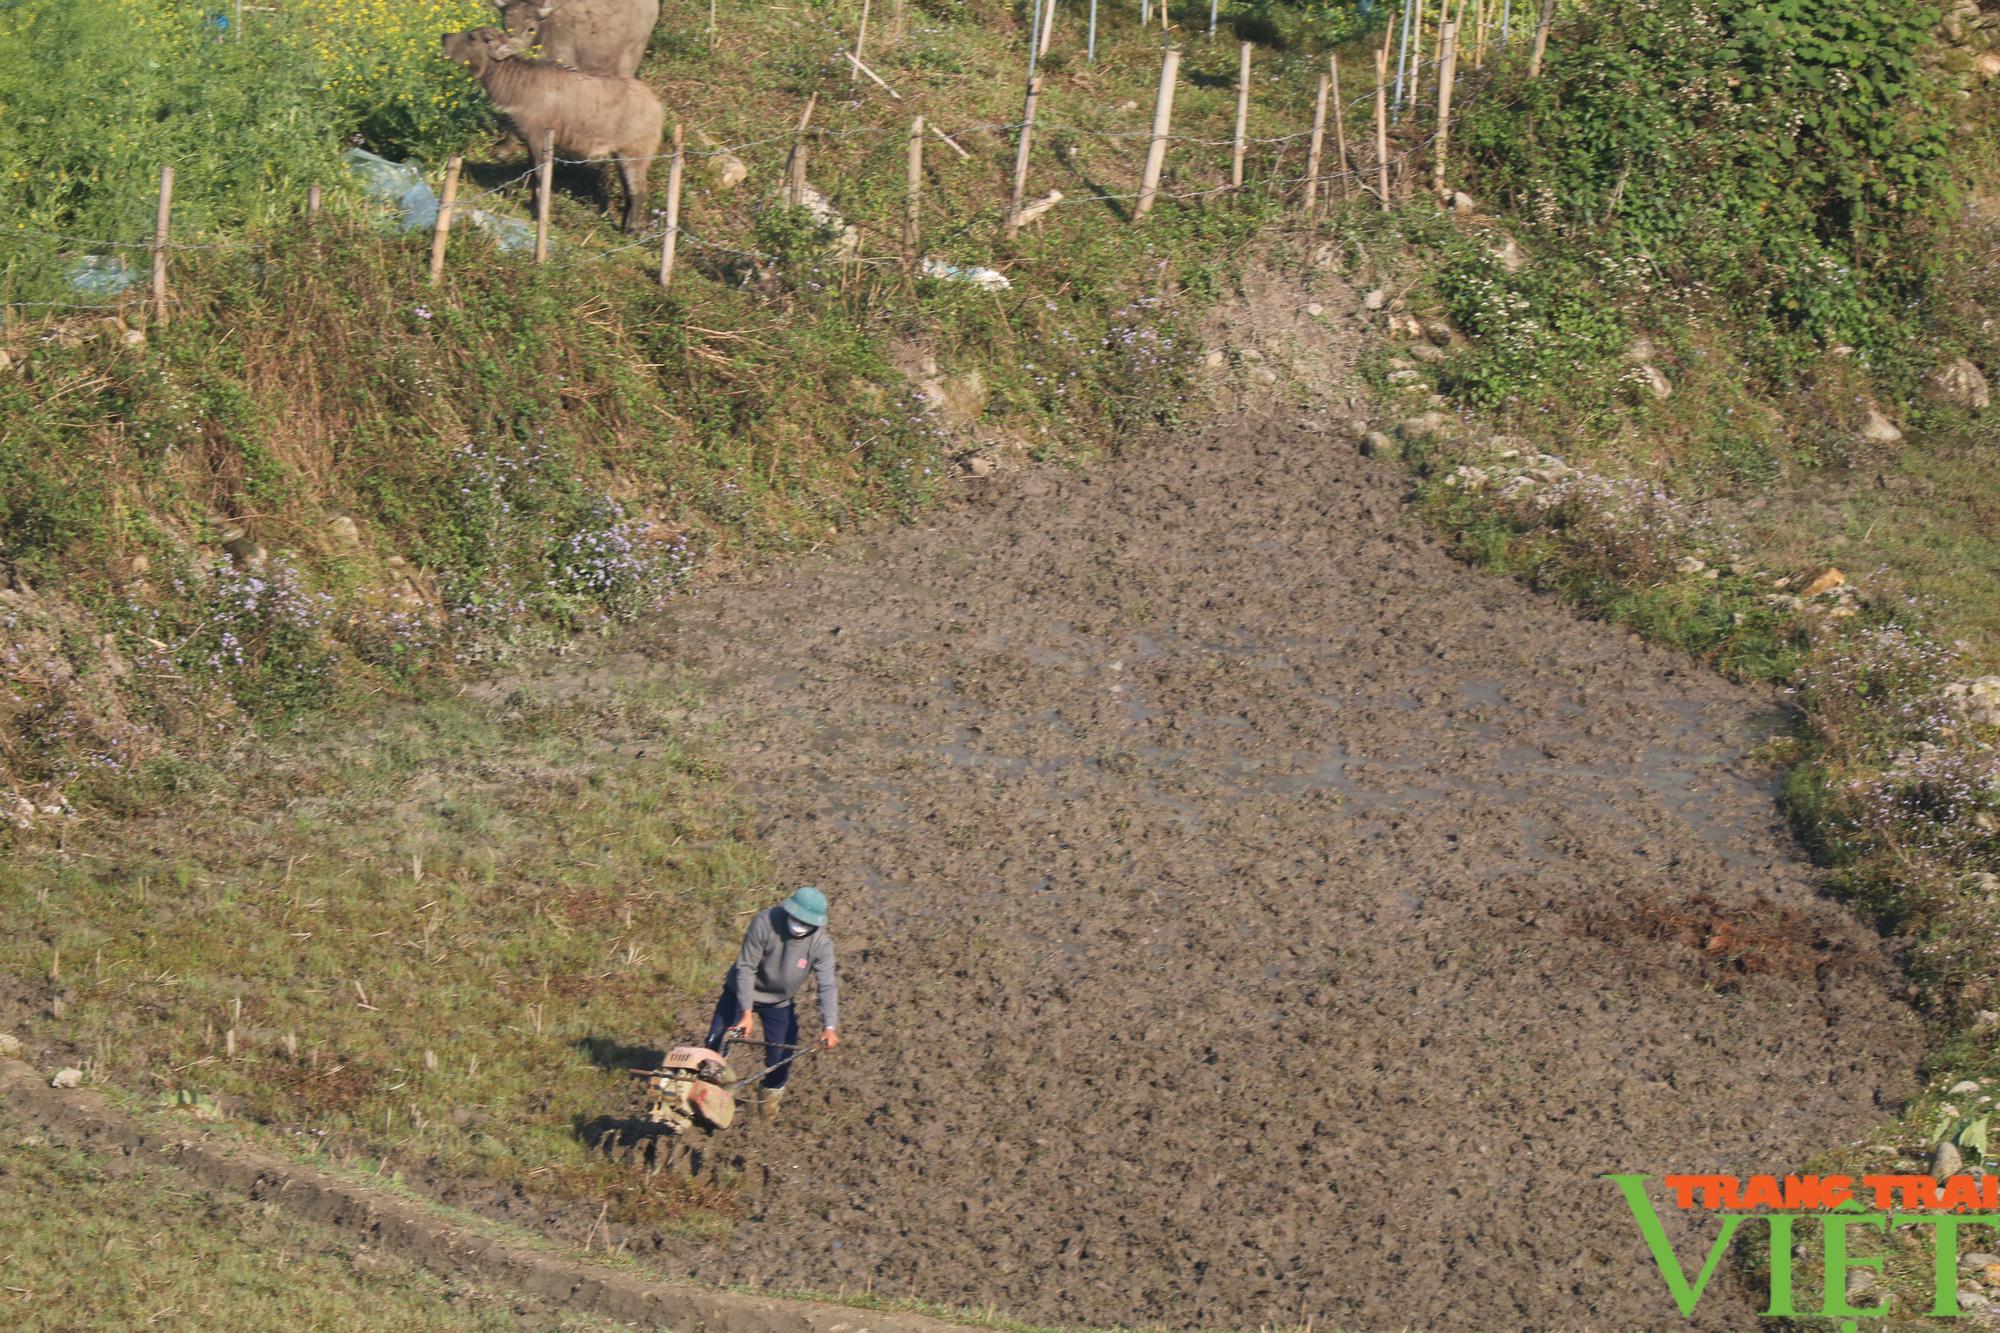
1248 913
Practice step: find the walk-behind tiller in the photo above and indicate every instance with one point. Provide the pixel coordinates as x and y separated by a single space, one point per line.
695 1088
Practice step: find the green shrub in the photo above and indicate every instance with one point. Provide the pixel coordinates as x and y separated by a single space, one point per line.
1781 155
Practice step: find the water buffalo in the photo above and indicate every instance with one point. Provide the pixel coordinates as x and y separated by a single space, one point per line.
591 115
595 36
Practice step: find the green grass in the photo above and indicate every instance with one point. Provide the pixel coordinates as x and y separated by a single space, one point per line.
86 1249
429 944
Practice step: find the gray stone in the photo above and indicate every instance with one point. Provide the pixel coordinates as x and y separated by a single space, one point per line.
1640 352
1375 299
1978 1259
1424 427
1461 203
1250 354
1355 428
1507 253
247 552
1439 332
10 1045
1315 310
1962 384
1263 375
340 530
1377 445
67 1078
1945 1161
1652 383
1878 429
1964 1085
1428 353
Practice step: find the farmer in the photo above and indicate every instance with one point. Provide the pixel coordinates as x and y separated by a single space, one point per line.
782 947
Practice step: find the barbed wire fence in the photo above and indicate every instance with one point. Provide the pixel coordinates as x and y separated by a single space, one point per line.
1380 164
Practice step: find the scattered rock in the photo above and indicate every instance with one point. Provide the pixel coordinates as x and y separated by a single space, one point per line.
1962 384
67 1078
1377 445
1878 429
1973 1300
1461 203
1249 354
1978 1259
1355 428
1263 375
1507 253
1690 564
1860 1281
1640 352
1427 352
1946 1161
1826 582
1439 332
1215 358
1427 426
6 361
725 170
1652 381
139 564
1128 105
10 1046
1978 699
980 465
1315 310
1964 1086
1987 64
1375 299
1986 1018
340 530
247 552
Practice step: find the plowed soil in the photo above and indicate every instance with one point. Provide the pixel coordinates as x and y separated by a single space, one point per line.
1248 913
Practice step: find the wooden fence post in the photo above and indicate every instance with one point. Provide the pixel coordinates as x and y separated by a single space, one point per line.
1048 27
795 164
1479 35
1340 132
545 175
312 201
1163 114
914 179
1242 116
1211 19
860 40
1447 71
161 221
1382 122
1021 155
1312 153
1417 61
446 202
1541 39
671 241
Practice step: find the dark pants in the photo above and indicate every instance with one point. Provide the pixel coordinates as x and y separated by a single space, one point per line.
781 1030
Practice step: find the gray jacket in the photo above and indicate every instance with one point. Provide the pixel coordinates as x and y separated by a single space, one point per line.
771 966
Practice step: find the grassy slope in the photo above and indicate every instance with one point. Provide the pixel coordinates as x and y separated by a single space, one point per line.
90 1250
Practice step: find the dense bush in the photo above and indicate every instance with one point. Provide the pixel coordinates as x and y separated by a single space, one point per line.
1778 155
103 93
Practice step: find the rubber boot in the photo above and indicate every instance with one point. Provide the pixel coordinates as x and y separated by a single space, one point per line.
768 1104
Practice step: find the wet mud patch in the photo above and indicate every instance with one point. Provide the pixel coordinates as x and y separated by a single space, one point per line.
1250 914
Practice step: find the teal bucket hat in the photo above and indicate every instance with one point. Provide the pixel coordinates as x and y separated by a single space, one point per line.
807 904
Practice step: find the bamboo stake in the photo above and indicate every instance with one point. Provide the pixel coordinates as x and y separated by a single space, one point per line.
1312 154
545 173
1242 116
873 77
711 25
1090 42
1382 122
161 221
1417 61
1021 155
1403 56
445 205
671 240
1541 39
860 40
1048 27
1211 19
312 201
1506 24
795 164
1340 131
914 181
1479 35
1163 112
1447 71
